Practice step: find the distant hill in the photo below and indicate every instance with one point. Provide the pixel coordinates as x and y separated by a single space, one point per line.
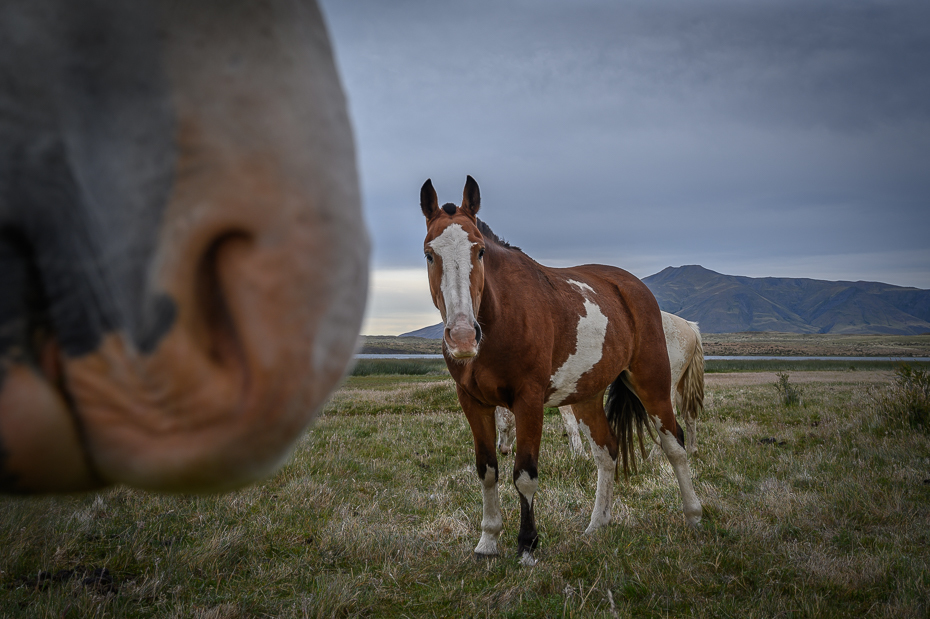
732 303
433 332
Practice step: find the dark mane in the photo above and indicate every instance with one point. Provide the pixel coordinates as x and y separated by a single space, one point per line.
487 233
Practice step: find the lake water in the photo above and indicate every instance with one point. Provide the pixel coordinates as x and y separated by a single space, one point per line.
396 356
708 358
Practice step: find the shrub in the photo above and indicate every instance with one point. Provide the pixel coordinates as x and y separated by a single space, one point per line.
788 394
907 400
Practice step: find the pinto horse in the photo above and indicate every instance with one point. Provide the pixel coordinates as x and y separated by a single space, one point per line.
524 336
686 358
183 259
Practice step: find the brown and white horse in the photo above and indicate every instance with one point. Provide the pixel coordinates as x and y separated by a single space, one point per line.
524 336
686 358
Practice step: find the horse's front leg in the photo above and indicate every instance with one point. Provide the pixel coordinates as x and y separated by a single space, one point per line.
481 420
571 430
506 430
529 420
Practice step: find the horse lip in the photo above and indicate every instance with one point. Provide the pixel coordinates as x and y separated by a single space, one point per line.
461 353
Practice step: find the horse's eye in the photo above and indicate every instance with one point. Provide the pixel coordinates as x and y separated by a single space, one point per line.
481 253
429 258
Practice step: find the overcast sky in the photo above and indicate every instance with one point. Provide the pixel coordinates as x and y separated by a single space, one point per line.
761 138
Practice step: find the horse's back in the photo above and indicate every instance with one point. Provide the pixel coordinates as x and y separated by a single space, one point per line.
605 321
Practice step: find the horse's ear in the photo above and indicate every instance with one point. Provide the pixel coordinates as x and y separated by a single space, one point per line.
429 201
471 197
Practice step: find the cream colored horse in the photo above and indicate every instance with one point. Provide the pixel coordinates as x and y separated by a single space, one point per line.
686 358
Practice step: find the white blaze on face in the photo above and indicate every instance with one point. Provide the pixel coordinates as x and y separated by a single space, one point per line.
589 347
454 250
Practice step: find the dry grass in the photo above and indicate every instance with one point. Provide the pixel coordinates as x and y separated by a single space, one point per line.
810 511
747 343
814 344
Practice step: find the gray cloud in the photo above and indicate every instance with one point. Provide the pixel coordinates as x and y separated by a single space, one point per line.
762 135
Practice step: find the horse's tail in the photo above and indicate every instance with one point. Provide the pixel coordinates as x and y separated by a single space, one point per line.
692 382
627 417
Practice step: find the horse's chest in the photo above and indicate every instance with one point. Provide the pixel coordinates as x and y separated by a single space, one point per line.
590 334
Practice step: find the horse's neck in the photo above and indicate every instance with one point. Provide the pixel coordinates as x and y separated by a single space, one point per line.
506 275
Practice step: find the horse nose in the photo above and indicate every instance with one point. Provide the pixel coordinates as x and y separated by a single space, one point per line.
212 292
462 339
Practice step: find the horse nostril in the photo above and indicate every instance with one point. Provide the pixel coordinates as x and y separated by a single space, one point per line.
477 333
222 343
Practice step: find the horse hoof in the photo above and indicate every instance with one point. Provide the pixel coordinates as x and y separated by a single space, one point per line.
527 559
480 556
487 548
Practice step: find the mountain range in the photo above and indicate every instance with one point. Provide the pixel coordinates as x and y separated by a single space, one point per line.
732 303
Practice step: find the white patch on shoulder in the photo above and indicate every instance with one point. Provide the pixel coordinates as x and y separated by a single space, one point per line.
589 347
454 249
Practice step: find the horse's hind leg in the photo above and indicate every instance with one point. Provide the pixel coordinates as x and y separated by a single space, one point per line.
689 417
684 414
659 407
593 423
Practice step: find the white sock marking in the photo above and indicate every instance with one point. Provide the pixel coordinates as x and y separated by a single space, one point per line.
679 460
604 496
492 521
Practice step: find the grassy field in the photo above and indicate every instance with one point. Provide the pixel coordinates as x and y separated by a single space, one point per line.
816 345
382 344
818 510
764 343
713 366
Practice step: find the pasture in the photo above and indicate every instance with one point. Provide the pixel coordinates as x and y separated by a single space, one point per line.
816 510
748 343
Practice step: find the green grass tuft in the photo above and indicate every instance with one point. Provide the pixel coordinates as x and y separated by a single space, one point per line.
907 400
788 394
